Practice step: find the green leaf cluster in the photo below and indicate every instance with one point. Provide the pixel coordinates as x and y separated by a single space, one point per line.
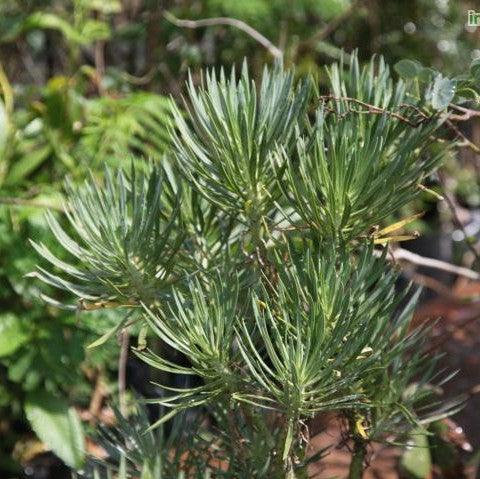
251 252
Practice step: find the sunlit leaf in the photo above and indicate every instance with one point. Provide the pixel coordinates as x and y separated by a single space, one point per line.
57 425
12 334
408 69
416 460
443 91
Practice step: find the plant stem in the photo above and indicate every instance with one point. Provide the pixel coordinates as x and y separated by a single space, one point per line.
356 466
7 91
233 22
122 370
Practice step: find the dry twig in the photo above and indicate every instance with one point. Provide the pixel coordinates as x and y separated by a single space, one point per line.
122 370
466 113
330 27
400 254
458 223
232 22
465 141
375 110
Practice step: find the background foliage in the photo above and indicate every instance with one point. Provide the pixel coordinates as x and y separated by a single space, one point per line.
86 84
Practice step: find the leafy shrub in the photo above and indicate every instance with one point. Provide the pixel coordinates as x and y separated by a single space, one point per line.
292 314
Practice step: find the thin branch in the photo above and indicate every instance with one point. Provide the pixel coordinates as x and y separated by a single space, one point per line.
122 370
400 254
104 304
448 333
173 83
232 22
96 401
99 60
377 110
7 200
432 284
467 113
141 80
330 27
99 55
466 142
30 67
458 223
357 464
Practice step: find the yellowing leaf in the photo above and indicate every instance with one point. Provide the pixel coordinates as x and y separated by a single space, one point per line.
359 427
399 224
387 239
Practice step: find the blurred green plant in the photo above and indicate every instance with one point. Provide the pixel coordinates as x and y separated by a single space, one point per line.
48 132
